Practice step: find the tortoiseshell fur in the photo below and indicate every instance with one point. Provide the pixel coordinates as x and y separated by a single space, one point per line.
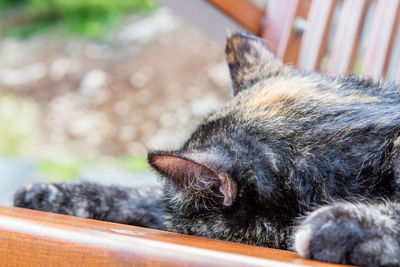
290 144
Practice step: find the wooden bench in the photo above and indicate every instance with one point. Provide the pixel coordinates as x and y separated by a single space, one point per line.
33 238
334 36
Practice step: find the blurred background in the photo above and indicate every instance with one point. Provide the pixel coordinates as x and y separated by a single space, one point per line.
87 86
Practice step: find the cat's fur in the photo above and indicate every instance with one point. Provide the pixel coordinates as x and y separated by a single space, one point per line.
288 142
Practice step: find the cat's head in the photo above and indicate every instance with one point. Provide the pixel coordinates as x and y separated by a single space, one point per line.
225 181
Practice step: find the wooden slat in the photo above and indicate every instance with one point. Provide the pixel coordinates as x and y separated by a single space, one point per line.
32 238
290 52
244 12
279 31
381 38
278 24
396 78
315 38
348 35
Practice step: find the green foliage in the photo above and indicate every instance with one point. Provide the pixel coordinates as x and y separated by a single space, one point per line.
358 66
26 30
67 169
86 17
136 163
8 3
18 125
60 170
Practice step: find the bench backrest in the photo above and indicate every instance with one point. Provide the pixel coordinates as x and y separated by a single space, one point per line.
334 36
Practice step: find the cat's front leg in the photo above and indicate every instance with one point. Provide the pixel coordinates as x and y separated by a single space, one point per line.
357 234
135 206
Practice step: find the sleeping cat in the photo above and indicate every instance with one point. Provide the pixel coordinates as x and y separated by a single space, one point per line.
290 143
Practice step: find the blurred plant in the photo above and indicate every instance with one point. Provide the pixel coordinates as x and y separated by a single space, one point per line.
69 168
136 163
7 3
358 66
60 170
18 125
89 17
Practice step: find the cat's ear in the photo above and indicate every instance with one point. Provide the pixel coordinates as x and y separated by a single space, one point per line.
249 61
193 173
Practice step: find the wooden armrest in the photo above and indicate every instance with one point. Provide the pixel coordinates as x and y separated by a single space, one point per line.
36 238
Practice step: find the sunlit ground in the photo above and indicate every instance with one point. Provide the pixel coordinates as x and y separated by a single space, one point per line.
80 101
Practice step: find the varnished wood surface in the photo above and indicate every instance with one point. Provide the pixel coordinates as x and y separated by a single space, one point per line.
33 238
289 53
279 30
244 12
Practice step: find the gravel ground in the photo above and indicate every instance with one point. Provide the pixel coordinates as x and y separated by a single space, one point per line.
147 85
141 88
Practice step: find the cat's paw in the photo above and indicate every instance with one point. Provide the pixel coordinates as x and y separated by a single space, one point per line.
347 233
37 196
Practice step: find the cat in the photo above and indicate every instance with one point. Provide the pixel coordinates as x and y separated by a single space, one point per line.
295 160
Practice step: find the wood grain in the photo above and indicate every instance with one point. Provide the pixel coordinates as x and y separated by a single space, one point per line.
279 28
33 238
290 53
244 12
